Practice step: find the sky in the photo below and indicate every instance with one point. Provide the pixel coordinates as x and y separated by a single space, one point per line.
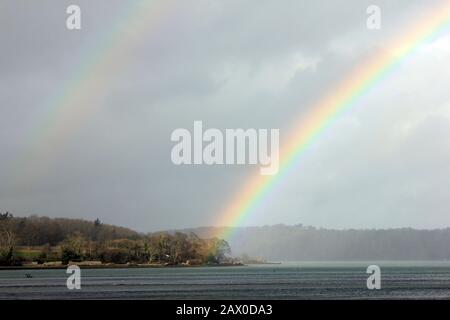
133 75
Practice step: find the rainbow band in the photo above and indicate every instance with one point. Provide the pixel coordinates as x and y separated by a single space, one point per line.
83 95
342 98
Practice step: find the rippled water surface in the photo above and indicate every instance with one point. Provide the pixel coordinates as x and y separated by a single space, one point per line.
312 280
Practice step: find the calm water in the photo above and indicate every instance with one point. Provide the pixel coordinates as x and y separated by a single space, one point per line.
411 280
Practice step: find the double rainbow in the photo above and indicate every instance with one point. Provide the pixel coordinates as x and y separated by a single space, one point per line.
84 93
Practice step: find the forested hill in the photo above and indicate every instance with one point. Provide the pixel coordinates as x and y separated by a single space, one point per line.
300 243
36 231
43 241
95 240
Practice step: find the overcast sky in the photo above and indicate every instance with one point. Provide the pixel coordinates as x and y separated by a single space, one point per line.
231 64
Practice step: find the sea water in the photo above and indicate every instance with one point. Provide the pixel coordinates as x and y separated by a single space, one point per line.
290 280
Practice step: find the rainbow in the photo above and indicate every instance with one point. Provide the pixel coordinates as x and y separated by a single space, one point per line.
342 98
84 93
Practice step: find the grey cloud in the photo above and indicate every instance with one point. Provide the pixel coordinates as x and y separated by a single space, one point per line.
231 64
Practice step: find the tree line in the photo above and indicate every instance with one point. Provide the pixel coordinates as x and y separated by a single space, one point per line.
42 240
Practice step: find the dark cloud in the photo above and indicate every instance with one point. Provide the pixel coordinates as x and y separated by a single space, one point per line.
258 64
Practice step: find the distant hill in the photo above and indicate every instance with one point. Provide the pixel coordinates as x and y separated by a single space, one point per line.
300 243
273 243
36 231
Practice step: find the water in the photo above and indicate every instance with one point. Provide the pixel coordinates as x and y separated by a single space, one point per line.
312 280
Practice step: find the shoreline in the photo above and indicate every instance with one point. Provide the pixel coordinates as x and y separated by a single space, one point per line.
117 266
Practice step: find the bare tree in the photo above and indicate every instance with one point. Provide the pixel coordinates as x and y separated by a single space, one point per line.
7 241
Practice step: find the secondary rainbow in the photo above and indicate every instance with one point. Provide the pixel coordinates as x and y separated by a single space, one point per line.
340 99
83 94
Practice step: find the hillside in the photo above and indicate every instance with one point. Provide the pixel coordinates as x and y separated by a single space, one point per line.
300 243
42 240
51 239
